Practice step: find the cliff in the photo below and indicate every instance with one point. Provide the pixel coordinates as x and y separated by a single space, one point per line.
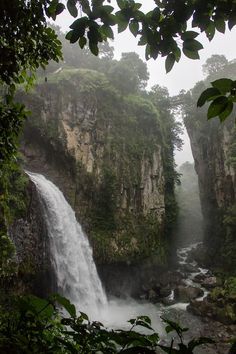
106 153
214 152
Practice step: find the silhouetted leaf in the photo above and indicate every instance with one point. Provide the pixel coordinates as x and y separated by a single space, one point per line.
206 95
134 27
169 63
220 25
223 85
217 107
227 111
189 35
191 54
71 6
70 308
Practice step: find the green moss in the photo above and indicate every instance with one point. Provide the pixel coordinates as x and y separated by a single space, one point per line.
13 205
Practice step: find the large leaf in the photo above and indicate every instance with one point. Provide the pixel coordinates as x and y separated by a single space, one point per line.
169 63
192 45
70 308
196 342
107 31
191 54
220 25
134 27
223 85
71 6
227 111
189 35
217 107
206 95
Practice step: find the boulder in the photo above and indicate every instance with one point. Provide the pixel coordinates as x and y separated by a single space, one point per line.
187 293
209 282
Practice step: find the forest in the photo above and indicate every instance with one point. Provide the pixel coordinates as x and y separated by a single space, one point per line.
106 245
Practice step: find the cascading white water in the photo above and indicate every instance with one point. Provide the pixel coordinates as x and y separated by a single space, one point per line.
76 273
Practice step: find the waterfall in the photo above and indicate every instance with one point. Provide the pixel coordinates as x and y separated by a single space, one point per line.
71 255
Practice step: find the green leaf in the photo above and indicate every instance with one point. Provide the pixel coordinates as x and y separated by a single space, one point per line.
122 25
107 31
73 36
210 31
169 63
224 85
228 110
189 35
93 48
70 308
196 342
192 45
191 54
232 21
217 107
177 53
207 95
220 25
134 27
60 8
82 42
108 8
121 4
80 23
71 6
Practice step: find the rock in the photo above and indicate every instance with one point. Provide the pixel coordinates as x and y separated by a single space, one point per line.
226 314
190 268
199 278
164 292
209 282
152 296
170 278
187 293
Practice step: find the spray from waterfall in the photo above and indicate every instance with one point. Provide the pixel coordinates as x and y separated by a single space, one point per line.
76 274
72 259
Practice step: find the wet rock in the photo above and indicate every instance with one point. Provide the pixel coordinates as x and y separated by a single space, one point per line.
170 278
225 314
199 278
209 282
189 268
187 293
164 292
152 296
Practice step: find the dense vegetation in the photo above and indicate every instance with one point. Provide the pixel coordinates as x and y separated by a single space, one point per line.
38 326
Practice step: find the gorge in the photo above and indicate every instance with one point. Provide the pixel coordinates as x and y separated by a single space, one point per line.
112 156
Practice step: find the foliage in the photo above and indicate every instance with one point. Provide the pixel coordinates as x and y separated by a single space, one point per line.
214 64
13 204
35 325
223 95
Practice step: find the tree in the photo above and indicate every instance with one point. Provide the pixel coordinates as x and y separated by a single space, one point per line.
129 74
214 64
27 41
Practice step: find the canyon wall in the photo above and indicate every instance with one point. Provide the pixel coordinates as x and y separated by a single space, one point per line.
107 153
214 151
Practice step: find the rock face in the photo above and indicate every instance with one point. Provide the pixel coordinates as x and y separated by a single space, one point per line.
34 270
214 152
105 152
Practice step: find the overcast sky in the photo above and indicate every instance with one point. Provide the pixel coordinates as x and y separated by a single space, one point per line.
184 74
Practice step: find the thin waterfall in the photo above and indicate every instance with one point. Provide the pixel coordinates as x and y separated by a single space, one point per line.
72 258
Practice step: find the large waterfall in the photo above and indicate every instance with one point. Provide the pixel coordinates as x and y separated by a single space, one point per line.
76 274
